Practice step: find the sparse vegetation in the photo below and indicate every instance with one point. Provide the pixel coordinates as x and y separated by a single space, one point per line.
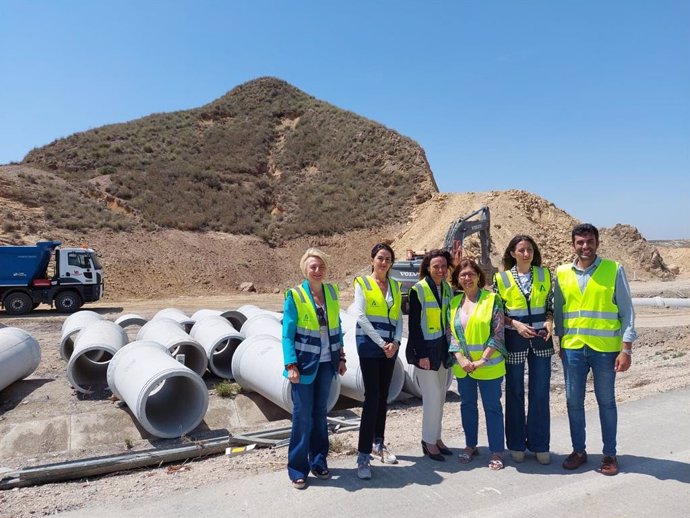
227 389
214 168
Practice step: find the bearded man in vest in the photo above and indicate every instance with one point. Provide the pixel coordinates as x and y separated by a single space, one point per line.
594 318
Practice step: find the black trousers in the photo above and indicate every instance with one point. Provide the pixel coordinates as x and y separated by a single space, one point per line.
376 374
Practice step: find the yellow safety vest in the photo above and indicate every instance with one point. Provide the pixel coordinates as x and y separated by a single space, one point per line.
515 303
433 318
308 332
477 334
382 318
590 318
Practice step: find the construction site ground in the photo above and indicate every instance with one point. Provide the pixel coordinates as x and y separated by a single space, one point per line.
43 420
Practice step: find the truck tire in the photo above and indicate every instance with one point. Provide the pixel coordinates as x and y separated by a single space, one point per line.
67 302
18 303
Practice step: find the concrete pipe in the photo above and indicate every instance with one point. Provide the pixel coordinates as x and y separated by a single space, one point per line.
249 310
352 383
220 341
411 384
262 323
347 319
102 339
258 365
130 319
235 318
659 302
71 327
167 398
177 315
20 355
168 332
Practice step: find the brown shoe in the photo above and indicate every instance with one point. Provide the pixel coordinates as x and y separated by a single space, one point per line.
575 460
609 466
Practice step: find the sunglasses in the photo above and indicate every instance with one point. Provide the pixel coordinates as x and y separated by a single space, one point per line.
322 316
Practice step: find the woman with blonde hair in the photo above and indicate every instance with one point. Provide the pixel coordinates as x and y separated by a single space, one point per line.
313 356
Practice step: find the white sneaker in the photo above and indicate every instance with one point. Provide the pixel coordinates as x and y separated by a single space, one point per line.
517 456
543 457
364 470
382 453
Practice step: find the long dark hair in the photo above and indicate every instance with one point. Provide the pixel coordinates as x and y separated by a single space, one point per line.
387 248
509 261
432 254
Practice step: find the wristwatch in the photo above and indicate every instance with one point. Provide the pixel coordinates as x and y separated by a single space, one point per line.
627 351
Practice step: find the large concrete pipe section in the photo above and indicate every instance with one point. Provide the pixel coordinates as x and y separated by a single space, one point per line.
177 315
168 332
411 385
131 323
220 341
101 339
71 327
258 365
659 302
352 383
235 318
167 398
249 310
262 323
20 355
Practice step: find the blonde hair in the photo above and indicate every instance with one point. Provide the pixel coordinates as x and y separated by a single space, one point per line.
313 252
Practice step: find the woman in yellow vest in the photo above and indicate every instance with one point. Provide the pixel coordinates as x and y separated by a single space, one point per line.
379 330
427 346
476 341
526 291
313 355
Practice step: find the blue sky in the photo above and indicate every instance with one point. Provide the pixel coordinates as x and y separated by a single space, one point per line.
583 102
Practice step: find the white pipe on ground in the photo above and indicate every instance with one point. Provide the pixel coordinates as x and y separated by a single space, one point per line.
20 355
249 310
130 319
258 365
220 341
177 315
101 339
168 332
659 302
411 384
71 326
167 398
262 323
352 383
235 318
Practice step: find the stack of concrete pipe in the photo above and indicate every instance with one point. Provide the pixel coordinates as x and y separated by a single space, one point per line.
71 327
220 340
94 347
20 355
166 397
181 345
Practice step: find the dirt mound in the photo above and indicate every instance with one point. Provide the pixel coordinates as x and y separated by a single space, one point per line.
520 212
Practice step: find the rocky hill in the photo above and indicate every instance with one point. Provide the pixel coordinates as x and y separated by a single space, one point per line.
265 159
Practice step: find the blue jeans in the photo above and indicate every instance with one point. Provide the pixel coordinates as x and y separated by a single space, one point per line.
533 430
576 366
493 412
309 436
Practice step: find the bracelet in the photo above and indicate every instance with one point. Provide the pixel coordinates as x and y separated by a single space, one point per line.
627 351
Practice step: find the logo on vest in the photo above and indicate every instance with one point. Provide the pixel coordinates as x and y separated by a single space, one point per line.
373 303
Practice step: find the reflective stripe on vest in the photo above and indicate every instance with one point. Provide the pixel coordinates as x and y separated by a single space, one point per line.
515 303
382 318
433 318
308 332
590 317
477 334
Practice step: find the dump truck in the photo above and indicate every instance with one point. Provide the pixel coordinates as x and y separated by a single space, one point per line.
406 271
44 273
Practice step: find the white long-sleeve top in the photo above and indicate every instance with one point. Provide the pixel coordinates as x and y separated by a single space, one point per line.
360 306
